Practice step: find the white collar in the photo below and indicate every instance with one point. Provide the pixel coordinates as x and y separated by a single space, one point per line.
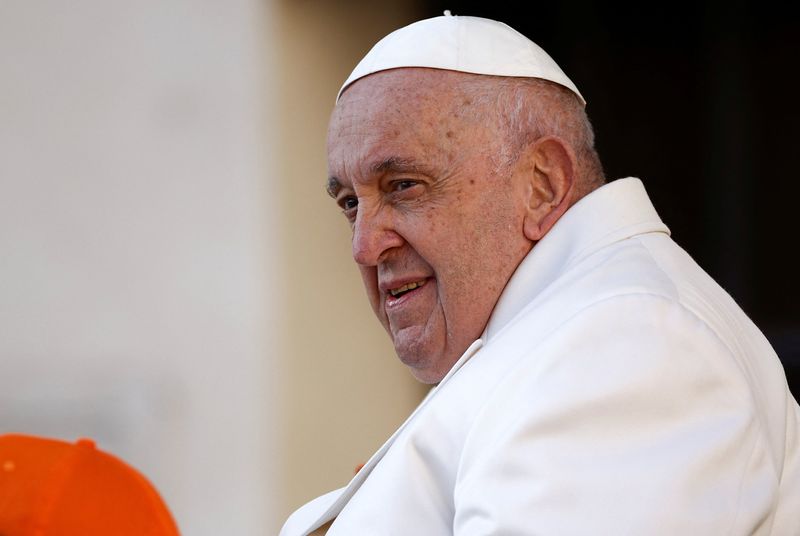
613 212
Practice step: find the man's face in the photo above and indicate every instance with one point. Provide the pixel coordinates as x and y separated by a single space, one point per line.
436 213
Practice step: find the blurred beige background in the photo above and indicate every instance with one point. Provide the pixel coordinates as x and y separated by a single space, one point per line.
174 281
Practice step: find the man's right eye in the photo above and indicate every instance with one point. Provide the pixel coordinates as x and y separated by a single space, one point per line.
348 203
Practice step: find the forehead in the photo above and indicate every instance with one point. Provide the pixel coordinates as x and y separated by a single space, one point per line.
409 109
407 89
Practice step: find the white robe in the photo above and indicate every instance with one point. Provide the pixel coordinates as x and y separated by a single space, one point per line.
617 389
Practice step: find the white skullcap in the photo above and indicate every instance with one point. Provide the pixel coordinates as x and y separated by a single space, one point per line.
467 44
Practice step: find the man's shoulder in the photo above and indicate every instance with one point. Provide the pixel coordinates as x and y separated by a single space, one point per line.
625 269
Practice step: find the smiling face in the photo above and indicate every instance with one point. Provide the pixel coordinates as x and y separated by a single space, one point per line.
436 211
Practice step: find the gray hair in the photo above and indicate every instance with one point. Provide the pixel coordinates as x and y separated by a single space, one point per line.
529 109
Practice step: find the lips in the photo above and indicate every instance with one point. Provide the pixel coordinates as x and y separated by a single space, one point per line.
399 291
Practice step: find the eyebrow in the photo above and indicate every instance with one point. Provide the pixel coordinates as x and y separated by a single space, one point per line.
394 164
333 186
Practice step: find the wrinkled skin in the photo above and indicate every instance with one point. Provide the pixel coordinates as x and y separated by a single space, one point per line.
421 180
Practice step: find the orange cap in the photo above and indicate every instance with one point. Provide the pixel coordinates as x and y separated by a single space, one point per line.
53 488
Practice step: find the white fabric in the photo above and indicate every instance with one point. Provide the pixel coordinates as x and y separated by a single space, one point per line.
466 44
616 390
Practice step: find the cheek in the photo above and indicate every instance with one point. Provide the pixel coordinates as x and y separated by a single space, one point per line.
483 248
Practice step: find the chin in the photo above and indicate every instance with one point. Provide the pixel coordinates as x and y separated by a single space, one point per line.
425 356
427 375
424 367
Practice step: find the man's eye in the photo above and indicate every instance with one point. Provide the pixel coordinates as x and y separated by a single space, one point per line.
348 203
398 186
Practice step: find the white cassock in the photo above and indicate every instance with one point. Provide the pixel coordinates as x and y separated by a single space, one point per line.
617 389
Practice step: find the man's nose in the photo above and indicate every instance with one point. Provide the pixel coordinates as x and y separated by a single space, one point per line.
374 236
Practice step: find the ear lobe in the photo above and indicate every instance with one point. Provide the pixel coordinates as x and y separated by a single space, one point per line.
551 176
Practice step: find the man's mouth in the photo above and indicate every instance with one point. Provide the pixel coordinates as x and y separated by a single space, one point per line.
408 287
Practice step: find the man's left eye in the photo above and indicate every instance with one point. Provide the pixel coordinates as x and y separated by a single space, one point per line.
398 186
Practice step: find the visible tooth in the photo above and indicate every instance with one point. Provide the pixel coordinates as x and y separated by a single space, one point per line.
409 286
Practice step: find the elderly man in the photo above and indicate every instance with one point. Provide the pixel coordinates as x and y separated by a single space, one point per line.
591 378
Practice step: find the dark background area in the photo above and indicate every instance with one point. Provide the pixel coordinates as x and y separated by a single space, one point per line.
699 101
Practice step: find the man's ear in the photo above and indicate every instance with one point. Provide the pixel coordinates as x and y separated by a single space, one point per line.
550 180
